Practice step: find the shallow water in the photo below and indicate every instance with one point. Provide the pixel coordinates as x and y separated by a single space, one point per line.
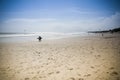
33 36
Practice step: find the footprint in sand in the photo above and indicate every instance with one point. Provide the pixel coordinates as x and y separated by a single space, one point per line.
70 68
27 79
97 56
117 78
92 67
92 48
107 72
114 73
72 78
87 75
79 74
111 68
35 78
80 79
58 72
50 73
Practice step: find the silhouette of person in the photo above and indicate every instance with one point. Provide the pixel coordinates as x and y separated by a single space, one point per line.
39 38
102 34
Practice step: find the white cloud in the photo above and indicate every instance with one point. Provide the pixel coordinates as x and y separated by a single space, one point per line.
65 25
29 20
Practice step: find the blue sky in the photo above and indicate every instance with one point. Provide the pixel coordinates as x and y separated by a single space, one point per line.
58 15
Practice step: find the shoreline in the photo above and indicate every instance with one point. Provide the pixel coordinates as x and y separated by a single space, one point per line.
20 39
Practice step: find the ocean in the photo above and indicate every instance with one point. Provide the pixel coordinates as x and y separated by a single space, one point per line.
21 37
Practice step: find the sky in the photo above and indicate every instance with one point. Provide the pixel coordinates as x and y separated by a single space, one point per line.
58 15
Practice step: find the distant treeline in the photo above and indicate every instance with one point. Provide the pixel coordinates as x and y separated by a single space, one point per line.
106 31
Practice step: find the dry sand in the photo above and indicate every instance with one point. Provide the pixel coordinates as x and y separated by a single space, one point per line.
78 58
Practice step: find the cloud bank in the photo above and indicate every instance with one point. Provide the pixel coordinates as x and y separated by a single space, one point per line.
60 25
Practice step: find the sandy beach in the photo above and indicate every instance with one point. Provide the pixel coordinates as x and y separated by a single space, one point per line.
75 58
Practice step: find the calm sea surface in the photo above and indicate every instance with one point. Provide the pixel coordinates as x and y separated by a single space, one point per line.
33 36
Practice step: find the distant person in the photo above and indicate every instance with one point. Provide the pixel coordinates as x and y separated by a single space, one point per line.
39 38
102 34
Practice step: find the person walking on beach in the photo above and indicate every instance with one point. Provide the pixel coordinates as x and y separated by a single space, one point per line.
39 38
102 34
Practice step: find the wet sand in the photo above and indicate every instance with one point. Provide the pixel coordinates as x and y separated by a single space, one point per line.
78 58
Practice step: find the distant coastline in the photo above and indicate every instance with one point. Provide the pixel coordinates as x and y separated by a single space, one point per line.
107 31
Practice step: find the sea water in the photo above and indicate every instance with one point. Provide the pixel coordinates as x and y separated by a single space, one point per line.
21 37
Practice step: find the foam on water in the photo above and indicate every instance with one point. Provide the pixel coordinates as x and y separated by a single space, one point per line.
33 36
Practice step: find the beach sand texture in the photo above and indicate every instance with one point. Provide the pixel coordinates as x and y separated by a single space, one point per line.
78 58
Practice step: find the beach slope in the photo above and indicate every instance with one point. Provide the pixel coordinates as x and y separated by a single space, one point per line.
75 58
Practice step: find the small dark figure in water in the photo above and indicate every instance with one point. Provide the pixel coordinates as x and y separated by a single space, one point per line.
102 34
39 38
